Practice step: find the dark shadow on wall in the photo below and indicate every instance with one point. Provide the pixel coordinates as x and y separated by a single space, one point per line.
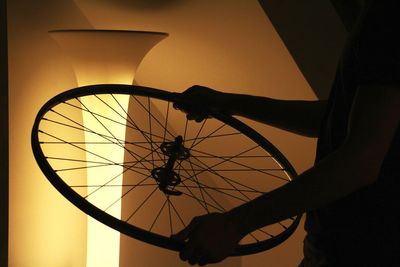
314 35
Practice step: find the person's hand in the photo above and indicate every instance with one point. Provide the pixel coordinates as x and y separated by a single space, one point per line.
208 239
197 101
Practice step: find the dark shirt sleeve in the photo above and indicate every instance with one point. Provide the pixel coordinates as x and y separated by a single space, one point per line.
378 49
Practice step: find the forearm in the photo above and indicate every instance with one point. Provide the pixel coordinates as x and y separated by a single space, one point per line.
333 178
374 120
300 117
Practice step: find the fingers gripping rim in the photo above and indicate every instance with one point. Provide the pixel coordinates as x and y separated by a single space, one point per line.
122 226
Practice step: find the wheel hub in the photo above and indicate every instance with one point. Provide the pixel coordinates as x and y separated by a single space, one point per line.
165 176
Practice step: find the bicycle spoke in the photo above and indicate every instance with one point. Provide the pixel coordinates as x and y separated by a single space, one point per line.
85 167
203 186
133 126
227 180
128 117
85 109
126 193
177 213
229 159
185 131
105 103
211 197
192 194
115 177
197 181
144 134
215 207
140 103
169 215
158 215
165 124
214 136
113 137
150 129
151 134
205 138
209 168
187 188
78 147
111 185
222 192
109 131
201 190
198 133
75 144
142 204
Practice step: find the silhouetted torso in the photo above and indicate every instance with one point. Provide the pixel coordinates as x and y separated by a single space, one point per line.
362 229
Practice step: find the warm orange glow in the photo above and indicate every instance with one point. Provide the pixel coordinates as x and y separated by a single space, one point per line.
104 57
101 239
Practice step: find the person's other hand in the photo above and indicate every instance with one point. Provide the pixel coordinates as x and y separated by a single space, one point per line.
197 101
208 239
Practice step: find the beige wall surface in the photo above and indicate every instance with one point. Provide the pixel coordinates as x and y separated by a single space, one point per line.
227 45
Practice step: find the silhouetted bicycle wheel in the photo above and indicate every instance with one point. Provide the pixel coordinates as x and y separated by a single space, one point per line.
123 155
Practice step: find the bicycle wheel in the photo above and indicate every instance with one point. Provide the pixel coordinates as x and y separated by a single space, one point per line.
169 169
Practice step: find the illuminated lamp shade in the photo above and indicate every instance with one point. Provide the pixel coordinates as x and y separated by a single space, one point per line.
104 57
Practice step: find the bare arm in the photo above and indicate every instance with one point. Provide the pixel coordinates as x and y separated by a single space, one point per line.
297 116
374 120
300 117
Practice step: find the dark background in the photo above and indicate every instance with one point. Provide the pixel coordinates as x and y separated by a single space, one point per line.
4 137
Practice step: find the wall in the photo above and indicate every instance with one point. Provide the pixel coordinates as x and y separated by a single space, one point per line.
228 45
45 229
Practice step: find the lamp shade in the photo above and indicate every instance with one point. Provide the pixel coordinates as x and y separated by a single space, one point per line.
105 56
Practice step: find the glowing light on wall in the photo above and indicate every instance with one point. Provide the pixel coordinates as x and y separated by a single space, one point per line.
104 57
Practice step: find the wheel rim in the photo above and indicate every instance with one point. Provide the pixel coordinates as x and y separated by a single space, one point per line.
181 168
